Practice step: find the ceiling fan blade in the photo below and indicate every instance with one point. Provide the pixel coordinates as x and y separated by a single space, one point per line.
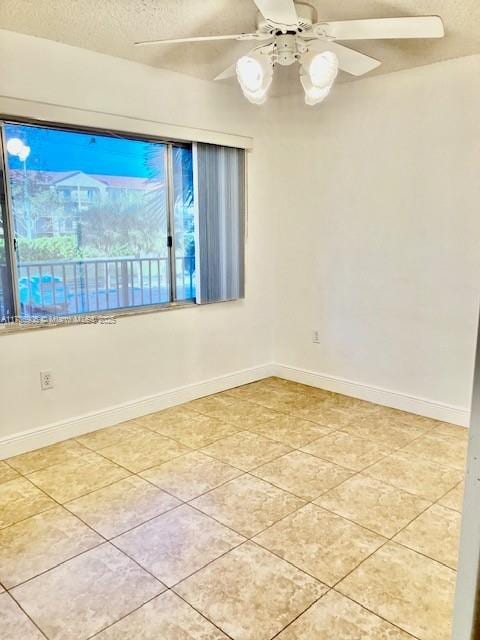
385 28
281 12
237 36
349 60
229 72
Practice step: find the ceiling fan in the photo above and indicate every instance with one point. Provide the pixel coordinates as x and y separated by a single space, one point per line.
289 32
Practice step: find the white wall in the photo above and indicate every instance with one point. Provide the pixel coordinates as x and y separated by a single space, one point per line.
379 246
363 217
97 367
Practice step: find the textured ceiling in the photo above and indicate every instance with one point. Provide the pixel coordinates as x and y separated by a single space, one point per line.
111 26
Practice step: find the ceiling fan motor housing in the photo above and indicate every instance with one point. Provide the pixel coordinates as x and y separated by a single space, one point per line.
306 14
286 49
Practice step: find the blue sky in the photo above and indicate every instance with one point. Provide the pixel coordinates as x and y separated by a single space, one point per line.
53 150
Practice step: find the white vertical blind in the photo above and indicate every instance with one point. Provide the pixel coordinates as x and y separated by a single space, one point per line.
220 200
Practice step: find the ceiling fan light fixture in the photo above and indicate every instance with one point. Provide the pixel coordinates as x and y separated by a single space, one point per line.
250 73
317 74
313 95
323 69
254 73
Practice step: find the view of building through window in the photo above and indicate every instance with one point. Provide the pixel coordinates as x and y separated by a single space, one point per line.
100 222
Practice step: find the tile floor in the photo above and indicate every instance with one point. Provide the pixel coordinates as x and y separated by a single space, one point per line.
270 510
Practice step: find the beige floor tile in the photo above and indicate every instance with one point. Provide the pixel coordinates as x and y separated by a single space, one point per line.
247 504
281 383
86 594
77 477
327 416
406 588
284 400
121 506
291 430
439 449
174 415
347 450
19 499
270 385
452 430
373 504
454 498
142 452
14 623
415 475
357 406
244 392
39 543
190 475
243 414
246 450
6 473
423 422
47 456
199 432
210 403
177 544
172 420
320 543
435 533
167 617
250 593
109 436
335 617
308 400
316 392
302 474
384 431
396 416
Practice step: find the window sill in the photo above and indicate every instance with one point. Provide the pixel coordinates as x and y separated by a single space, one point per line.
95 318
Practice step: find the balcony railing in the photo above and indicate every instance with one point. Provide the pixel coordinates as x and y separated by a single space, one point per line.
65 287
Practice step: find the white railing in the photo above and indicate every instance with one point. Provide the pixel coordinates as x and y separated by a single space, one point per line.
100 284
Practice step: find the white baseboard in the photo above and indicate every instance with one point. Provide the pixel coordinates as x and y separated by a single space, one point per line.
386 397
49 434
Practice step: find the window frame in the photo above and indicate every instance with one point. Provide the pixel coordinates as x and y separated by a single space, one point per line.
9 229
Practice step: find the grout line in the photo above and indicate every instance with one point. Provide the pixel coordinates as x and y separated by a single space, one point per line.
391 541
69 457
171 587
393 624
117 535
126 615
37 513
202 614
187 501
242 473
421 553
301 614
82 495
27 615
55 566
61 506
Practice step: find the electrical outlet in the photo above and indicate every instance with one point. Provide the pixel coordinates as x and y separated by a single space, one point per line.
46 380
316 336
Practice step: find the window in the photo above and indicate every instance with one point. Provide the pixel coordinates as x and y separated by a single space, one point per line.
93 222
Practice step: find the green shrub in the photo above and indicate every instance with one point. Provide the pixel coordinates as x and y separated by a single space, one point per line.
54 248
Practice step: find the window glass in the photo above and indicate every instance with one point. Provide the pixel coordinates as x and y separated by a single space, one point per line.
184 222
91 221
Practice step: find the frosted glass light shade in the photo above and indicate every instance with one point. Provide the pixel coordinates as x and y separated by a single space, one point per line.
254 73
323 69
250 74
